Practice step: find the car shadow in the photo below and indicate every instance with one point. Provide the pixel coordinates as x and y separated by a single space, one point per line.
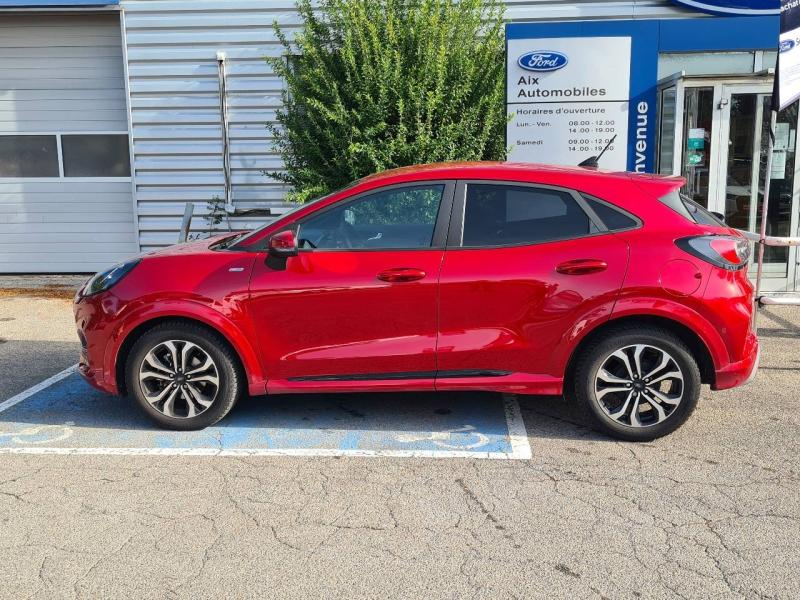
73 401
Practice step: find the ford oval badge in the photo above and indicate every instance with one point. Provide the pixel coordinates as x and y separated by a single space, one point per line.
786 45
543 60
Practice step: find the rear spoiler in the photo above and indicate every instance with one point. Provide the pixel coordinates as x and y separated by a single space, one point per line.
657 185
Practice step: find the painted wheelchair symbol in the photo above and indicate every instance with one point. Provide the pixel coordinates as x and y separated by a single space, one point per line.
40 434
444 438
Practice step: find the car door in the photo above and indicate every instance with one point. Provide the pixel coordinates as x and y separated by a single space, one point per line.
525 269
358 302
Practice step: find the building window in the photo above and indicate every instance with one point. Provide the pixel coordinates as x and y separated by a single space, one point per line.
96 155
28 156
85 155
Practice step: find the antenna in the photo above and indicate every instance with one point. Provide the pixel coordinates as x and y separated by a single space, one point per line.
593 162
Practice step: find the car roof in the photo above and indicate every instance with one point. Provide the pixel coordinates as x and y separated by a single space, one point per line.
506 171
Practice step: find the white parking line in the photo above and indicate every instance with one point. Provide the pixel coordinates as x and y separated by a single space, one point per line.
518 438
14 400
517 434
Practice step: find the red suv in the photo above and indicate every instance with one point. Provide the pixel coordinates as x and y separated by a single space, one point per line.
610 288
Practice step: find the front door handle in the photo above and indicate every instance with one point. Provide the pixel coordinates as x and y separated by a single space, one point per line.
582 266
401 274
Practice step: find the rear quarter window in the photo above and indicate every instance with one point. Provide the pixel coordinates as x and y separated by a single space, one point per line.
613 218
689 209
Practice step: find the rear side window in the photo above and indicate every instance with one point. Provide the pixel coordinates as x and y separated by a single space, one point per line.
500 215
612 218
689 209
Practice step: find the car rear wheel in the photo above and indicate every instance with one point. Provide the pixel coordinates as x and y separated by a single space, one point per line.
637 383
183 376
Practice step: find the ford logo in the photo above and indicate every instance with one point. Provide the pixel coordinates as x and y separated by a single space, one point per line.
786 45
543 60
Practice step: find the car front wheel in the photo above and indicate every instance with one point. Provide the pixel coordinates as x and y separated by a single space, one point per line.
637 383
183 376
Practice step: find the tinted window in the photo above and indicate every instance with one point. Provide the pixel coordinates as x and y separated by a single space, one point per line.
96 155
688 208
28 156
396 218
612 218
497 215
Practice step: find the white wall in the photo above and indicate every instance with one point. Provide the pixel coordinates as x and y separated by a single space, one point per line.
59 74
171 53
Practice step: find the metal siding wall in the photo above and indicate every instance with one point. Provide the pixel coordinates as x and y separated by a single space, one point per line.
171 51
58 74
61 73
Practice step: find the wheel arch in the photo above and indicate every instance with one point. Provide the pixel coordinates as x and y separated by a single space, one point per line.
697 346
249 369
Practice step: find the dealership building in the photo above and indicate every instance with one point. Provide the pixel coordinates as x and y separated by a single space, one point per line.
114 116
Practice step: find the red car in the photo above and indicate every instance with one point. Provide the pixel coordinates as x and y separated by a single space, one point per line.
609 288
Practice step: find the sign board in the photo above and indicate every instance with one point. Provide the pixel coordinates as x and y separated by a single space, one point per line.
789 54
569 95
696 140
569 99
750 8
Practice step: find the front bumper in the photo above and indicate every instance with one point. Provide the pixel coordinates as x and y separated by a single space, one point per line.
741 372
94 336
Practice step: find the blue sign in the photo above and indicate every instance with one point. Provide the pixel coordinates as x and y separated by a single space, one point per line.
543 60
750 8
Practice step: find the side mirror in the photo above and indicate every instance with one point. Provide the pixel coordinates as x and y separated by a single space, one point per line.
283 244
719 215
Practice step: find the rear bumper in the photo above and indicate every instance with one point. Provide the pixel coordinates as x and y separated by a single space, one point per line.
742 372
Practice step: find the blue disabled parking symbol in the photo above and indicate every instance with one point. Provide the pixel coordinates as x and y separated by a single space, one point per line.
64 415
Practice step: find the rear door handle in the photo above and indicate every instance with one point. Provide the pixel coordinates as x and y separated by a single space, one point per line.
401 274
582 266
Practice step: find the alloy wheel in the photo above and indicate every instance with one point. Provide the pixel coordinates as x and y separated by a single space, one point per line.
639 385
179 379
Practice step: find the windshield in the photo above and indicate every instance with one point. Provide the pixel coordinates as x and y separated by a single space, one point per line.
246 235
243 237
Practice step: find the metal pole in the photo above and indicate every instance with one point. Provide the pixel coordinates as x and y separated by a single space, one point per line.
186 222
765 207
226 149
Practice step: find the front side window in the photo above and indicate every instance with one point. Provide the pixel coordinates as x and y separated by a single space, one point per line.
501 215
395 218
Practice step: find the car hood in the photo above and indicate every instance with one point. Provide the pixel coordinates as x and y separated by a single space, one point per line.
191 247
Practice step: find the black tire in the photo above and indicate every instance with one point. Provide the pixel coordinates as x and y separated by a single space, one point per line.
598 352
226 365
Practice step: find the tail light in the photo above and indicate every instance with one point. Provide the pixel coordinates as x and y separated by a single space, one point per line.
723 251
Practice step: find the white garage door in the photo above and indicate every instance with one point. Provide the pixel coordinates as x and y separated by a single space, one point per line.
65 187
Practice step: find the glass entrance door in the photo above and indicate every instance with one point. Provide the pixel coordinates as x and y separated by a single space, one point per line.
714 132
738 189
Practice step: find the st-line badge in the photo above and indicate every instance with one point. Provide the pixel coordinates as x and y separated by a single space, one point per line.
751 8
543 60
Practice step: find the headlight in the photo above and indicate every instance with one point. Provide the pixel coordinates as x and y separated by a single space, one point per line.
109 278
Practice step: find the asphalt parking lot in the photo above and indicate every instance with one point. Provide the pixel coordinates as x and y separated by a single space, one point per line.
390 495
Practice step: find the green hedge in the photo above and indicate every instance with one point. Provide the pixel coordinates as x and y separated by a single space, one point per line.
377 84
